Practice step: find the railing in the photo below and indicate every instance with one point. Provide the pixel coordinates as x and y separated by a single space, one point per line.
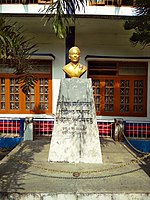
11 127
112 2
106 129
91 2
42 127
25 1
137 130
134 130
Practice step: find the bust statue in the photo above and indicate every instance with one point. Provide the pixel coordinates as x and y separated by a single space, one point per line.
74 69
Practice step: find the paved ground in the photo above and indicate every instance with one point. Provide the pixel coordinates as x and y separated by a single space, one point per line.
3 153
26 170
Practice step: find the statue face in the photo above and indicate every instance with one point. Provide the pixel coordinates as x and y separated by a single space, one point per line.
74 55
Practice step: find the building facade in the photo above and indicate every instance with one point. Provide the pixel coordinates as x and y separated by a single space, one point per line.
119 71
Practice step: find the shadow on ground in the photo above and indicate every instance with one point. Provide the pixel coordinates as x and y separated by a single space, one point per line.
12 177
145 165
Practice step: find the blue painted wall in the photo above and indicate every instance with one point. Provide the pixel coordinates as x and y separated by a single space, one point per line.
9 143
142 145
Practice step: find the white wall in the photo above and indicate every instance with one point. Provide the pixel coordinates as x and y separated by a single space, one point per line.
100 37
104 37
89 10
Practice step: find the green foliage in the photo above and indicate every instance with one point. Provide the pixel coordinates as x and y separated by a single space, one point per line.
140 24
6 33
62 14
15 48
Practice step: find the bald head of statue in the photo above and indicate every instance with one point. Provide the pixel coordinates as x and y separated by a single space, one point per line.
74 49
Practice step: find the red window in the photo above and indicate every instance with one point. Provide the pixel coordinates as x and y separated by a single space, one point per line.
39 100
120 88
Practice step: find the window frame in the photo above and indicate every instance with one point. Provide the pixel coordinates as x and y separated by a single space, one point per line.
22 97
117 78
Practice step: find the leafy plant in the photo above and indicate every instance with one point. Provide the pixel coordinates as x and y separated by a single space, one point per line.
140 24
17 50
63 14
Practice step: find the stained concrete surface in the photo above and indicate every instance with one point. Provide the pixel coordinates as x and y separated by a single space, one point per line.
26 170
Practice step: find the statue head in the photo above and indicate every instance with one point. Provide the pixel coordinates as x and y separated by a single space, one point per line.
74 54
74 69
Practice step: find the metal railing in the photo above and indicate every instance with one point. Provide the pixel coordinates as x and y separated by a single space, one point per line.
25 1
112 2
106 129
132 129
91 2
137 130
11 127
42 127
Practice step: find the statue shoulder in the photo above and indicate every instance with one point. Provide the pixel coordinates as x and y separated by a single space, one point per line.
67 66
83 67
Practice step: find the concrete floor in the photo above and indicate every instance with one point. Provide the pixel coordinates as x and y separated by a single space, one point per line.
25 173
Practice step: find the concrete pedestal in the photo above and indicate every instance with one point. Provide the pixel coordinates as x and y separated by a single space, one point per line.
75 136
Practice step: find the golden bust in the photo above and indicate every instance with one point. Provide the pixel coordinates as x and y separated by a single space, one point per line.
74 69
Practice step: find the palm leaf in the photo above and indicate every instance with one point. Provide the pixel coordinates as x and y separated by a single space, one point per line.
14 46
63 14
